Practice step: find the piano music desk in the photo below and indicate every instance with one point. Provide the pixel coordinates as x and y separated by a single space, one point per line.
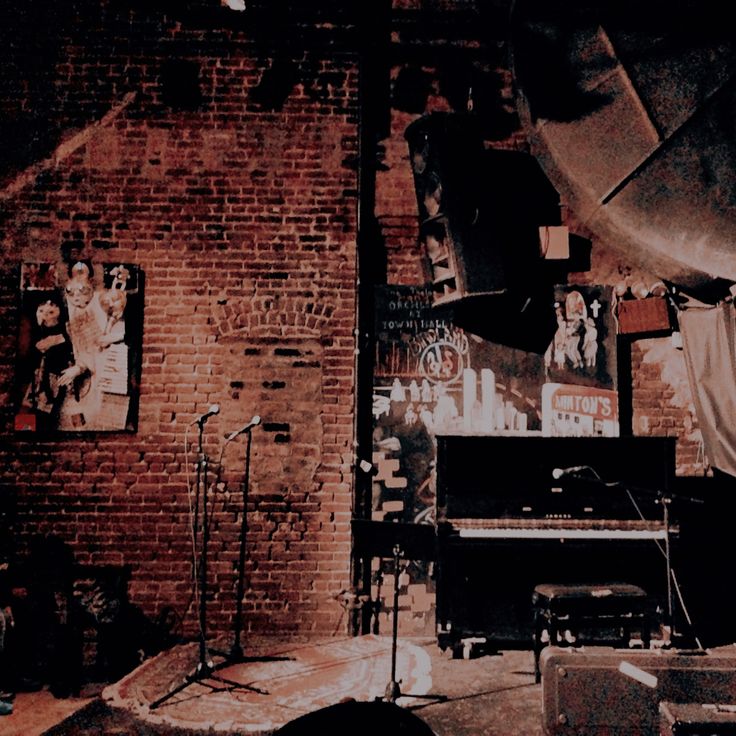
571 606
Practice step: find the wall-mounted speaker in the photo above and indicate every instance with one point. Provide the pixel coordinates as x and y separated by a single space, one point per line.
445 151
458 261
479 209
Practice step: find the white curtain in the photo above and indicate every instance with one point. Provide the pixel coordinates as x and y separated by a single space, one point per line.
709 346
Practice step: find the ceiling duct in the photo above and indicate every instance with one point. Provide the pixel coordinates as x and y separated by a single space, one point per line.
629 108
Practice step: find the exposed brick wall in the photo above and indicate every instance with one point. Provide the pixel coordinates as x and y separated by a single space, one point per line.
238 201
662 401
243 220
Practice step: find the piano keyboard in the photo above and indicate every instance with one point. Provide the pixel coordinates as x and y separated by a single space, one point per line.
520 528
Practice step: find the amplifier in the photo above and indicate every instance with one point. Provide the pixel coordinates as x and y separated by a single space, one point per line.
600 691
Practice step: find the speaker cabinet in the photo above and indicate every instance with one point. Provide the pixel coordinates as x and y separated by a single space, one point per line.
458 261
479 209
446 151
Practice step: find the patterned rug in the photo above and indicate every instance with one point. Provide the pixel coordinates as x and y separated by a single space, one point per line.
263 693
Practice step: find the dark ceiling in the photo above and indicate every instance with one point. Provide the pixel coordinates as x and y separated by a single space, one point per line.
629 106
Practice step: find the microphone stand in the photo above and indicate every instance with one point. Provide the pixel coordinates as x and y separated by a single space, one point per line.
236 654
393 689
236 651
205 669
670 626
665 499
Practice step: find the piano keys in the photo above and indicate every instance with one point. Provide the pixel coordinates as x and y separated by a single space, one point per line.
560 529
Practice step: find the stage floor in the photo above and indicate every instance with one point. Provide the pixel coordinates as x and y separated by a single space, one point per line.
268 689
493 694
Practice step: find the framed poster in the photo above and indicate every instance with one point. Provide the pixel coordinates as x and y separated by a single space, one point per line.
79 351
580 397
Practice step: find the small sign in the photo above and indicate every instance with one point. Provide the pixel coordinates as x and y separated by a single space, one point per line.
579 411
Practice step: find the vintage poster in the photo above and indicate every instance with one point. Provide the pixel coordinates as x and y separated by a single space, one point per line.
580 397
579 411
431 377
583 349
79 350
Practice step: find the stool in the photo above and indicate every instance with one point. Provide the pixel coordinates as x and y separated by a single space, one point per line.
573 605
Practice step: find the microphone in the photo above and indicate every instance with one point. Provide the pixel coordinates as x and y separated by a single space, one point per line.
214 409
254 422
558 473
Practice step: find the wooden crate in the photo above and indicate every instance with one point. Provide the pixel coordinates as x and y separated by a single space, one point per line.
643 315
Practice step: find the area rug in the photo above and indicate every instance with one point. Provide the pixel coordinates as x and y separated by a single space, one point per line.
263 693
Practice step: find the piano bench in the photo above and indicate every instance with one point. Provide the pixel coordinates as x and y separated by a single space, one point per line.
571 606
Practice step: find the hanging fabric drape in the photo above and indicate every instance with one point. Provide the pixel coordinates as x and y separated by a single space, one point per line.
709 346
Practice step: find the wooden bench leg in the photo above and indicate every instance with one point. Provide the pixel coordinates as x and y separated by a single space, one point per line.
539 626
646 632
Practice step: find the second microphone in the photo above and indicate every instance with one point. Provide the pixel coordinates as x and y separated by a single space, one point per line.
254 422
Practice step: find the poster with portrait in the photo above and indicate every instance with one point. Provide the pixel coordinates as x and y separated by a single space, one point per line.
580 397
79 352
583 349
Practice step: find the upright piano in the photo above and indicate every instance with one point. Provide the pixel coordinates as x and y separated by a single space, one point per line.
516 511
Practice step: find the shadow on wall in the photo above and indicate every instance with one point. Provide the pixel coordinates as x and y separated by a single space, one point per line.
72 623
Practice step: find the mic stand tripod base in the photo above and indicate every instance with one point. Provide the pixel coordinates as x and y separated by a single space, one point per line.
237 655
393 692
203 672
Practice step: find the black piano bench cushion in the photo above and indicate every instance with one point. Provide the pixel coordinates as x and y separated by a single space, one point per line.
564 598
574 605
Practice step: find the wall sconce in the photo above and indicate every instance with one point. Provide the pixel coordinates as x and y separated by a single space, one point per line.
639 290
658 288
238 5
